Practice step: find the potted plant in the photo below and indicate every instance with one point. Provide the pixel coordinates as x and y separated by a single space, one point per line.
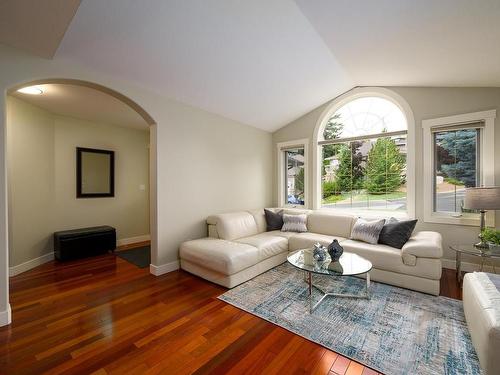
492 237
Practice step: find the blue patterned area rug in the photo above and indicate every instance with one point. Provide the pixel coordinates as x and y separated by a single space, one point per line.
397 331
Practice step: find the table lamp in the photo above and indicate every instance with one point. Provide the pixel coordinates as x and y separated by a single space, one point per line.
482 199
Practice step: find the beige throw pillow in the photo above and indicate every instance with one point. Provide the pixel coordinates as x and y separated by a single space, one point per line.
367 231
294 223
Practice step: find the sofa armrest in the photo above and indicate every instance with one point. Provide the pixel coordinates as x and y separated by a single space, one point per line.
424 245
232 225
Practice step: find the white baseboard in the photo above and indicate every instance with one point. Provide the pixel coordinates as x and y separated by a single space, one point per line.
467 266
131 240
5 316
164 268
23 267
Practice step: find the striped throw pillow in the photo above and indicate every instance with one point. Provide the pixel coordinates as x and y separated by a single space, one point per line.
367 231
294 223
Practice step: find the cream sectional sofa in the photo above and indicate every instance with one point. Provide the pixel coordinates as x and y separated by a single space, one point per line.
238 248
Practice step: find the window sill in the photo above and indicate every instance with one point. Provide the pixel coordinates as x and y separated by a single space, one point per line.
297 206
371 214
439 218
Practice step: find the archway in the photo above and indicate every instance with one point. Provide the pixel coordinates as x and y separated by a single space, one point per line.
77 82
152 142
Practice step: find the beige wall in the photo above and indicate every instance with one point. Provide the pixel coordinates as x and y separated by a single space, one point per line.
30 136
128 210
207 165
202 163
425 103
42 179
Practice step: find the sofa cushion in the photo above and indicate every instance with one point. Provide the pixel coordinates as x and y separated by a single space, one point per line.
424 244
367 231
388 258
267 243
396 233
274 220
294 223
307 240
279 233
234 225
223 256
330 223
260 219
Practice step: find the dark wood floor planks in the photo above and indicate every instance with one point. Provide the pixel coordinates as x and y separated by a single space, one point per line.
104 315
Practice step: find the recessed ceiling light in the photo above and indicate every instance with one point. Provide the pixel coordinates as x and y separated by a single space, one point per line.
31 90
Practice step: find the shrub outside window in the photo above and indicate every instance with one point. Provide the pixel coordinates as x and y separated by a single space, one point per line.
456 167
458 153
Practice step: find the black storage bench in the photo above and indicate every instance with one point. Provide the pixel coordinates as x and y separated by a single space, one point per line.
84 242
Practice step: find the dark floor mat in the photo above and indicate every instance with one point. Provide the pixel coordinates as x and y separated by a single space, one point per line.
140 256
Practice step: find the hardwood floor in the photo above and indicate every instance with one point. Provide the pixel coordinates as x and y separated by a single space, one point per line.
103 315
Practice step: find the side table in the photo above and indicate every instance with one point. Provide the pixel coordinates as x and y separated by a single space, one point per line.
472 250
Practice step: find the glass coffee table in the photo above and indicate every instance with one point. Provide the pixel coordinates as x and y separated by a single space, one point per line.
349 264
472 250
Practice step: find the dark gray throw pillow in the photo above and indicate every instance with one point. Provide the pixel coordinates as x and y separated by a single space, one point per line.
396 233
274 220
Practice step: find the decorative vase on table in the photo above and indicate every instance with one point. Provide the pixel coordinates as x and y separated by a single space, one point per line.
335 250
319 252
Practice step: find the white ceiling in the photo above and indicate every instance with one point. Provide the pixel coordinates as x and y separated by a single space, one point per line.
412 42
84 103
258 62
266 63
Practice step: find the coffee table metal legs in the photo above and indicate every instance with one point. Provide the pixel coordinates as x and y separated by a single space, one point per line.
458 264
309 281
313 306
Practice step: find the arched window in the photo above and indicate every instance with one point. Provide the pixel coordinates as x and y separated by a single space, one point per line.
363 155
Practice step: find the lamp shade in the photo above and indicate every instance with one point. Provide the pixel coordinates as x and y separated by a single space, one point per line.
482 198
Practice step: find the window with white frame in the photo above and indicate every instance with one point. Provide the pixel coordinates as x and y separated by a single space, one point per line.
292 164
294 176
364 157
458 154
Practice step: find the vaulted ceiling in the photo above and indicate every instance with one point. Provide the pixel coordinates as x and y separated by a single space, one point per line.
265 63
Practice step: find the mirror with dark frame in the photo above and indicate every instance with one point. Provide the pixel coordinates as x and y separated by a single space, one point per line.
95 173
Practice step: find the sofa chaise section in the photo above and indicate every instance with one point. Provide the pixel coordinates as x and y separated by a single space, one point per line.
237 250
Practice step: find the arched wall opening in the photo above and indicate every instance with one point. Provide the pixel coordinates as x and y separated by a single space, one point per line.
77 82
339 103
152 157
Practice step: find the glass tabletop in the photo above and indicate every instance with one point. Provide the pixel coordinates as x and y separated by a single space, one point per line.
472 250
349 264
